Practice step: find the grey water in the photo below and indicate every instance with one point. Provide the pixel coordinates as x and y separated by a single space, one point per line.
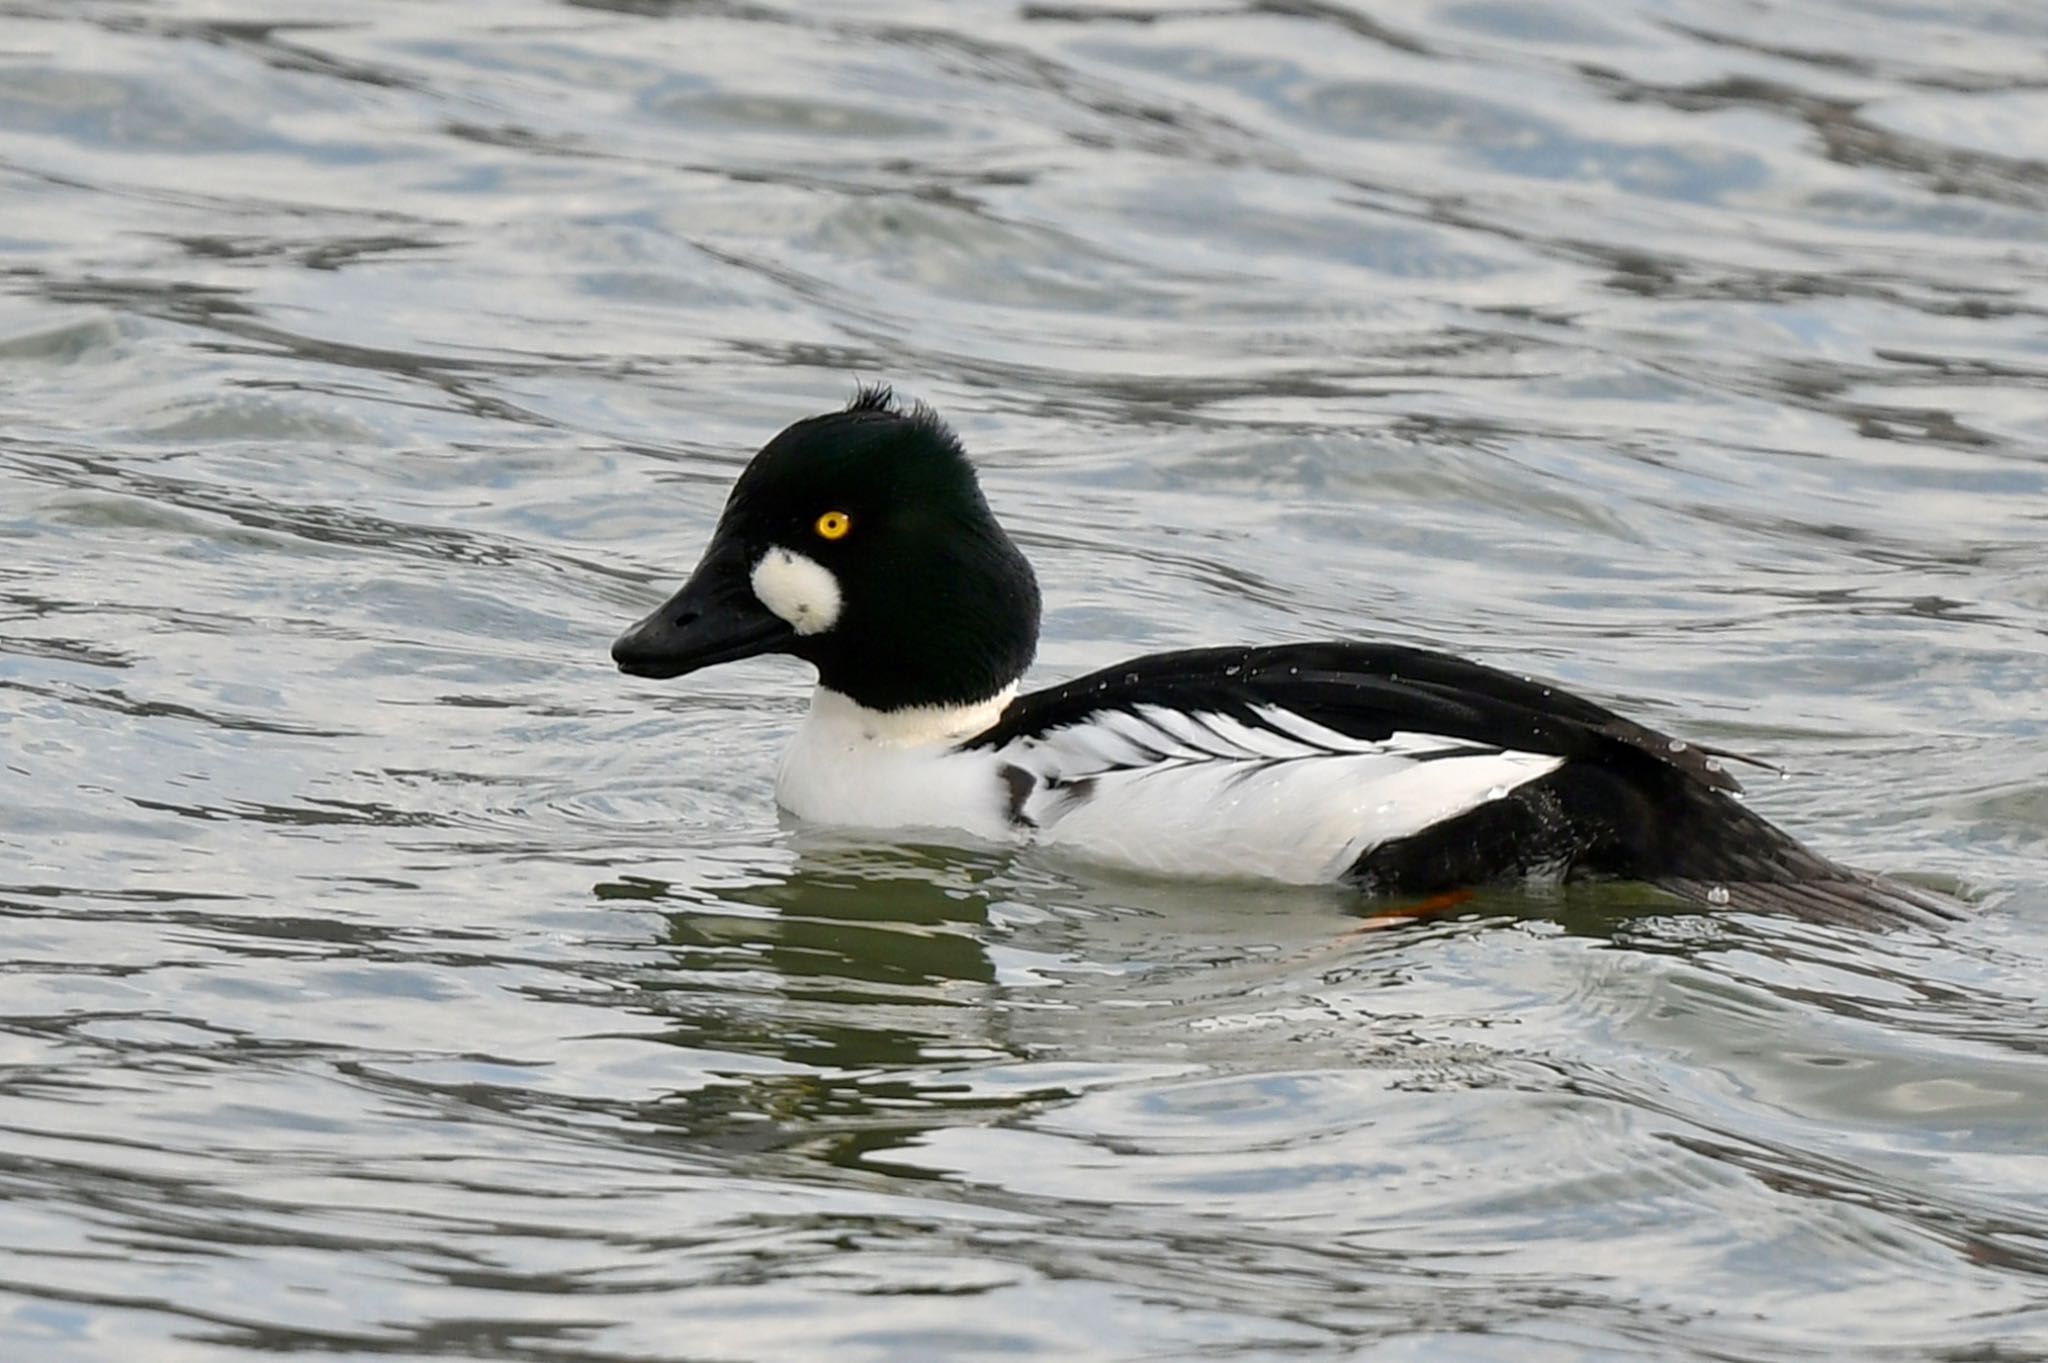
387 977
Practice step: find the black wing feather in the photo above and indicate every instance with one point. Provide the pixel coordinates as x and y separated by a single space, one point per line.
1364 690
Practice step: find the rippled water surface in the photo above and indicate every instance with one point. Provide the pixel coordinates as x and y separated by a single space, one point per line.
386 976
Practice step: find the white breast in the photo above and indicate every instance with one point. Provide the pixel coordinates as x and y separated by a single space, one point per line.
852 767
1151 789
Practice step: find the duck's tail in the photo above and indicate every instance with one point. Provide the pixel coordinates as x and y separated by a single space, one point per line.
1654 824
1843 895
1719 854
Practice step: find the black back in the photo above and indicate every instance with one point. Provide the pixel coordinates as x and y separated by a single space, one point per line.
1367 691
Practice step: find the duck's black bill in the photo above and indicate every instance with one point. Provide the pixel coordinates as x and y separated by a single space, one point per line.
705 623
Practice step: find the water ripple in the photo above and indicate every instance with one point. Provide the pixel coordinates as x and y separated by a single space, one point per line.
386 975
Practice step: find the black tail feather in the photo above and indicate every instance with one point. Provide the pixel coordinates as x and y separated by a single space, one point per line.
1643 822
1856 899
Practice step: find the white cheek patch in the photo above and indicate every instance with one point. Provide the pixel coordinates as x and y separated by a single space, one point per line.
801 591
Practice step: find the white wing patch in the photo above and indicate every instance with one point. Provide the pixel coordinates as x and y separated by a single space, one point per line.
1285 798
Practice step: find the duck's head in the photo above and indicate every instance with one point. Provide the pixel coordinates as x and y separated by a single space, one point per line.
859 542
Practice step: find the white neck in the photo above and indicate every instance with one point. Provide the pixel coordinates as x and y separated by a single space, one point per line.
854 767
914 726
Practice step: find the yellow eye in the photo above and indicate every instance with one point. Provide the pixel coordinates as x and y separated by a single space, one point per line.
833 525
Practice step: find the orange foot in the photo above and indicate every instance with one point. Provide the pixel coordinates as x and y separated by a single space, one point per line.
1399 914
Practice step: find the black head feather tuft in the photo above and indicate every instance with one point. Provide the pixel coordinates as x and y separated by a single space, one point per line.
873 397
878 401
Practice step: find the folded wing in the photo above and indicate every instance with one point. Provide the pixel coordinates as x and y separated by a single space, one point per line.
1408 771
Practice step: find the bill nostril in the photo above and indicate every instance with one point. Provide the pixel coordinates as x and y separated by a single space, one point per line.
684 619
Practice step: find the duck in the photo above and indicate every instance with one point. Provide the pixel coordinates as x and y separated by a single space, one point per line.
859 541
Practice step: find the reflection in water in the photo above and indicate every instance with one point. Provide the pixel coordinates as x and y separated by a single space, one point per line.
864 971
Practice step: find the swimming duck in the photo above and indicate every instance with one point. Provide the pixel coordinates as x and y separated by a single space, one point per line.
859 541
